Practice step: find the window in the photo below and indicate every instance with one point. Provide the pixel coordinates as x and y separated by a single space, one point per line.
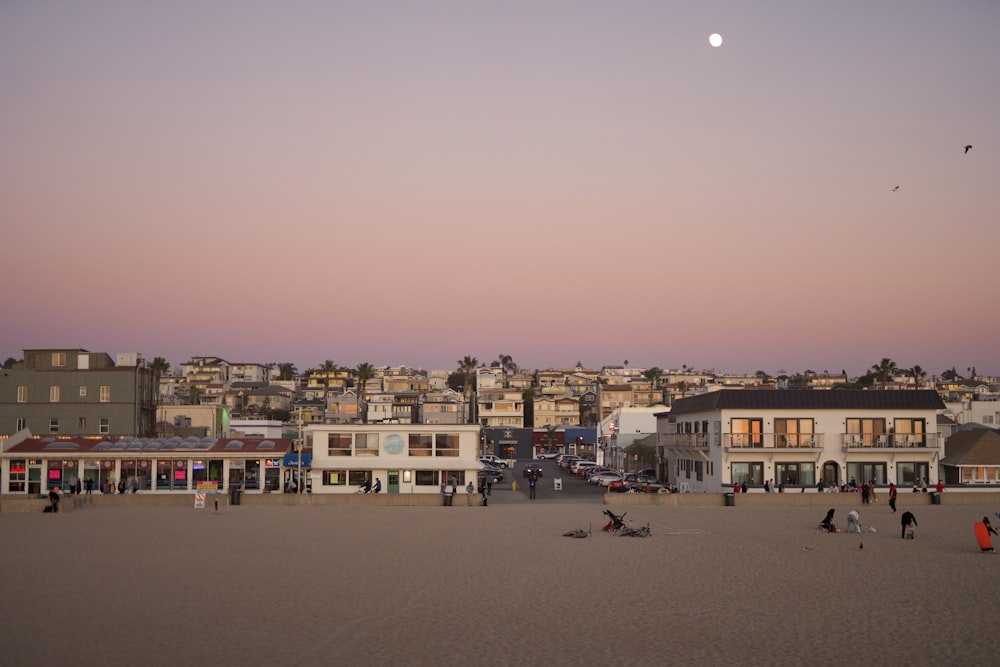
796 474
426 477
420 445
868 431
339 444
105 393
909 473
751 472
22 394
334 477
793 433
20 424
81 422
446 444
867 472
53 425
366 444
53 394
747 432
83 390
58 359
105 426
15 481
909 433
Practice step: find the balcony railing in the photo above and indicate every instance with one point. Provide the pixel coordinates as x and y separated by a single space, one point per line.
774 440
889 440
695 440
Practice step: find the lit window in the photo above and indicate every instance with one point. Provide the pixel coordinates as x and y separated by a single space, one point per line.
83 390
105 393
58 358
22 394
53 394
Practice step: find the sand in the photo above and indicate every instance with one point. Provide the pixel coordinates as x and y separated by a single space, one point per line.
500 585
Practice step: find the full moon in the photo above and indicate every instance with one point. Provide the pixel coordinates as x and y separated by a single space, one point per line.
715 39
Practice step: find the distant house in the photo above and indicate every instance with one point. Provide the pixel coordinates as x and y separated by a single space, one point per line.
972 457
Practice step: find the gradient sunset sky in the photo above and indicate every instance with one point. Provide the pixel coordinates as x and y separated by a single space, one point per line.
412 182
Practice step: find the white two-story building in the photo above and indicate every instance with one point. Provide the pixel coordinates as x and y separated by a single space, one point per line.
405 458
797 438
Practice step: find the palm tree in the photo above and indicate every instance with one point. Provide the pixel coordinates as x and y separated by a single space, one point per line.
194 395
884 370
328 369
467 367
653 375
364 372
918 374
286 371
506 362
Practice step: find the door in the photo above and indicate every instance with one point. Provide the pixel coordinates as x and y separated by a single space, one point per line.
34 480
748 432
831 473
392 478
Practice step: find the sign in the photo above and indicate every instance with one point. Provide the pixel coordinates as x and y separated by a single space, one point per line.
292 460
558 484
202 485
199 500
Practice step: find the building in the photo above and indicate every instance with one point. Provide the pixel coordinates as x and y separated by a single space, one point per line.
74 392
797 438
501 407
37 465
406 458
972 457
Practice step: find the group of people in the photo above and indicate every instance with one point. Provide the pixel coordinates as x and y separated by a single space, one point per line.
908 523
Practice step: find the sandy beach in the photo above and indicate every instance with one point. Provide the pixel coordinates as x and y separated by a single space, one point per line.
497 585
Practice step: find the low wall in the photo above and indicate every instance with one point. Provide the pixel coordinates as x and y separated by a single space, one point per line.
10 504
798 499
20 503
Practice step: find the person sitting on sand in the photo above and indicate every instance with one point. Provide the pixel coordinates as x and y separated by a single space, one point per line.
827 522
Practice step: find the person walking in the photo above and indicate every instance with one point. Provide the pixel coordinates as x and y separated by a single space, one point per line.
532 482
892 496
907 523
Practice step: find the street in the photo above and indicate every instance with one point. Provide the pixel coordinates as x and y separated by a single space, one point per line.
574 489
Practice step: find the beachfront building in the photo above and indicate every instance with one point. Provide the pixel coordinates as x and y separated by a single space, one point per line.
33 465
74 392
711 441
405 458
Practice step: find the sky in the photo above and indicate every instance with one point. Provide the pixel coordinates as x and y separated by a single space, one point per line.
562 181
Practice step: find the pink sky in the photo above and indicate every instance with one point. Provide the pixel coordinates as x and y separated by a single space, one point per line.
562 181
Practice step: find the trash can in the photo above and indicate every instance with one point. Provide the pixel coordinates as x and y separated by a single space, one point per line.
234 496
730 499
935 498
448 497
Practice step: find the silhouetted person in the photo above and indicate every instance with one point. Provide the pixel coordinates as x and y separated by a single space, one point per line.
905 521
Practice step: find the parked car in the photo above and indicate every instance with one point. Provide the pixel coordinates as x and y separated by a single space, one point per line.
605 477
548 455
641 482
579 467
532 468
495 473
566 460
493 460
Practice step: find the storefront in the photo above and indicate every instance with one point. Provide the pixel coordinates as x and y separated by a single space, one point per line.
38 465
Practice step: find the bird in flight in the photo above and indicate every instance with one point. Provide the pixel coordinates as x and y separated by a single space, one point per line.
895 188
967 147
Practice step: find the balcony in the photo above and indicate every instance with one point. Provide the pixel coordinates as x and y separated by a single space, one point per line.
890 440
689 440
773 440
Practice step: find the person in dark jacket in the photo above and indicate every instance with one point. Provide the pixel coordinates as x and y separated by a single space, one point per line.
905 521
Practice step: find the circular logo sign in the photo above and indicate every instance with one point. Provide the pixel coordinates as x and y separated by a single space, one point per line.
393 444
